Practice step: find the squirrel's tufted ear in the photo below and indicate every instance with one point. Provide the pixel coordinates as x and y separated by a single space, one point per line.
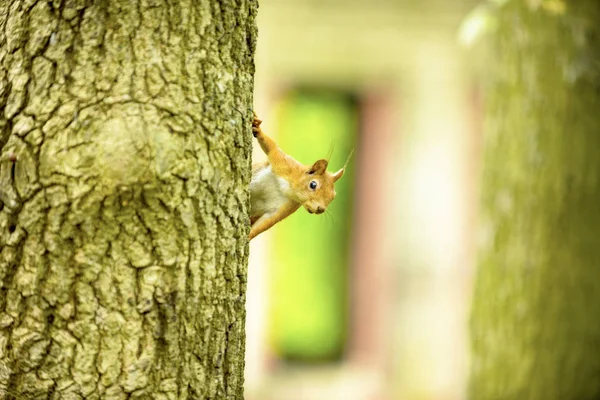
318 167
337 175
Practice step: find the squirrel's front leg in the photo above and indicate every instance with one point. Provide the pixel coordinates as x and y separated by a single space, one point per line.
266 221
277 158
267 144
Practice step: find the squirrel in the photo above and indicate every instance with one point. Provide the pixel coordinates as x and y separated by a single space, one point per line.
281 185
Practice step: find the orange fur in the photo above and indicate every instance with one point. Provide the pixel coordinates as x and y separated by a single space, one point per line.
282 185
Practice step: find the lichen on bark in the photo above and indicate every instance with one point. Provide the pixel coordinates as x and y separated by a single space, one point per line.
123 222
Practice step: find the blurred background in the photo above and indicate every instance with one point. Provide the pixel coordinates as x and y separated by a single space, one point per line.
371 300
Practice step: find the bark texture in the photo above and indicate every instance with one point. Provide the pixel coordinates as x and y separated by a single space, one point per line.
535 325
123 222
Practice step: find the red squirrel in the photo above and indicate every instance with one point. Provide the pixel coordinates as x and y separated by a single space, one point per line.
281 185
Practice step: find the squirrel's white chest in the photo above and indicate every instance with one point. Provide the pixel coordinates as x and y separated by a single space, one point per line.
267 192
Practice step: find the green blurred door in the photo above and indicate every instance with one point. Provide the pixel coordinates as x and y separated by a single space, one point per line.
309 285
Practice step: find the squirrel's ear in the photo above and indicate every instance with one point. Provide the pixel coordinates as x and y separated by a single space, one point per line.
338 174
318 168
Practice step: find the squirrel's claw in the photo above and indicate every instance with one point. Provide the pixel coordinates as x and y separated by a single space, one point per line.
256 125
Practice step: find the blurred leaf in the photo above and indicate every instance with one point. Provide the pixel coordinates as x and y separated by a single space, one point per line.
477 23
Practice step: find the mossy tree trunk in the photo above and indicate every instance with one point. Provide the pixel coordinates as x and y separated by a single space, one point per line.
123 220
535 325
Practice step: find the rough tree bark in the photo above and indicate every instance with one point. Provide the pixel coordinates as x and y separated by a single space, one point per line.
535 325
123 222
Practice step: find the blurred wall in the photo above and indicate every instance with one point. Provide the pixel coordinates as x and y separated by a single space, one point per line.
415 199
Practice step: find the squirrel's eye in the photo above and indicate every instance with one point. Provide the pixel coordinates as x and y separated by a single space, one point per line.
313 185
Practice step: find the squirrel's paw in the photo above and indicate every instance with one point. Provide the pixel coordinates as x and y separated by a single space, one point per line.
256 125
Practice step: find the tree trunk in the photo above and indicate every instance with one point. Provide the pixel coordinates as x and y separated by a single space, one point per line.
535 325
124 220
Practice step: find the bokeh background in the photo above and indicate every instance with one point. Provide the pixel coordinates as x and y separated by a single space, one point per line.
371 300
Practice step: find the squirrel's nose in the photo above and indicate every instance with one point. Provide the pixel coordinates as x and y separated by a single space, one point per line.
320 210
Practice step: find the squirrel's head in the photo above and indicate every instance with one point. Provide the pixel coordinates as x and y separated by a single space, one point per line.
316 188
